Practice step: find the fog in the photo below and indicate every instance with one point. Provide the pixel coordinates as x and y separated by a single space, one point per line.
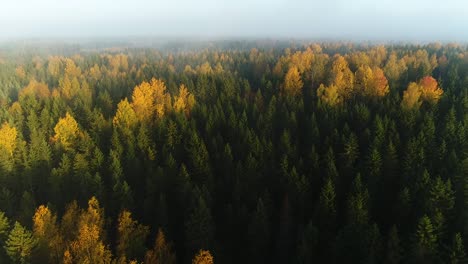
388 20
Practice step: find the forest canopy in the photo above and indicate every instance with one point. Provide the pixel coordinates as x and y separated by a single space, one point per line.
234 152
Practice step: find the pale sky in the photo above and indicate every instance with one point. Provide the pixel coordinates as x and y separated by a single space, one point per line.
430 20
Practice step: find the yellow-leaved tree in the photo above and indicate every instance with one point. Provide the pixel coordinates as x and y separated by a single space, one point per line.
36 89
329 95
394 67
54 65
8 136
371 82
131 237
426 90
125 117
71 69
430 90
342 77
88 247
184 101
150 99
45 228
292 82
411 97
66 132
203 257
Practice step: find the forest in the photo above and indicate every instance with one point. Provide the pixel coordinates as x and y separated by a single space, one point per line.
234 152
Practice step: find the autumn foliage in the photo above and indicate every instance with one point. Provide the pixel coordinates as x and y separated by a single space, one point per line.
292 82
66 132
203 257
430 90
426 90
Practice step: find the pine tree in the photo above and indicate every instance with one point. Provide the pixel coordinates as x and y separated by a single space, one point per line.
4 229
199 227
457 253
259 233
425 244
20 244
394 250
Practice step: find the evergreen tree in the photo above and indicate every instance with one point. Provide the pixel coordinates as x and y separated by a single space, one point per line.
20 244
199 228
425 244
457 251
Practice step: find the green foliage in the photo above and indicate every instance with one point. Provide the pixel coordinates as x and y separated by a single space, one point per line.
20 244
256 152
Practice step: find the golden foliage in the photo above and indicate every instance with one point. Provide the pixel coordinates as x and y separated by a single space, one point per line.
430 90
54 65
342 77
143 101
394 67
302 60
37 89
188 70
67 258
184 101
426 89
125 227
65 87
377 55
66 131
125 116
88 246
45 228
118 62
357 59
205 68
95 72
8 138
203 257
379 83
363 79
411 97
128 232
150 99
43 220
329 95
292 82
71 69
371 82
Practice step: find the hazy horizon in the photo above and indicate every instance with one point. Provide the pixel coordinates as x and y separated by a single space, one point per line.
335 19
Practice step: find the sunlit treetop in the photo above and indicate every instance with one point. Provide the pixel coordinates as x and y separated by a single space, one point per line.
8 136
342 77
66 132
430 90
149 100
292 82
329 94
411 97
125 116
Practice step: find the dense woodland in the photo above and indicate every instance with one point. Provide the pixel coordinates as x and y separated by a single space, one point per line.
234 152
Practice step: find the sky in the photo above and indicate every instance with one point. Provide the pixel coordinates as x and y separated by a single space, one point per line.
388 20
